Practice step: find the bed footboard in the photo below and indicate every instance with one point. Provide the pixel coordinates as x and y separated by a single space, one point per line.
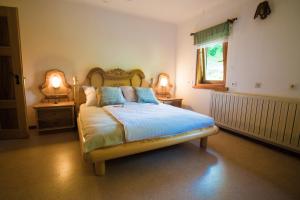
98 156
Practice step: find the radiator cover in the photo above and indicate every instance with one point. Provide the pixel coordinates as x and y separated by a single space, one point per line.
274 120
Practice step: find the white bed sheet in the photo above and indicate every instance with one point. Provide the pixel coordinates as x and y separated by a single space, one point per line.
99 128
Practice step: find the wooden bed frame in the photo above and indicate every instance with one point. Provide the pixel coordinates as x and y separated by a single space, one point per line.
97 77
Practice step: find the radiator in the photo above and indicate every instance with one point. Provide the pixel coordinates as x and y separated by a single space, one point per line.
273 120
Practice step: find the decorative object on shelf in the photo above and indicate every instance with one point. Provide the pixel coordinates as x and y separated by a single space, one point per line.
163 86
263 10
55 87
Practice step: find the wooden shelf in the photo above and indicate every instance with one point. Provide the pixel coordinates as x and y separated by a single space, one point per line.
54 105
171 101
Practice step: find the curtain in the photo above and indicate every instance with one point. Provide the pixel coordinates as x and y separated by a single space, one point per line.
218 32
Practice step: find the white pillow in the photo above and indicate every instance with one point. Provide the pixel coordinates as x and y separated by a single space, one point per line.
90 95
129 93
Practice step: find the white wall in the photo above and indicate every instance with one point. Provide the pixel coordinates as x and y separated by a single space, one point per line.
75 37
264 51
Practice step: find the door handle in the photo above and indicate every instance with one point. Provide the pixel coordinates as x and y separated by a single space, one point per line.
17 79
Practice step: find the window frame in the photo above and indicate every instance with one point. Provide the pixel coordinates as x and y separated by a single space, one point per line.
200 81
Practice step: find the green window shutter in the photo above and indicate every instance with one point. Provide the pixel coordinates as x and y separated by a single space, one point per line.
220 31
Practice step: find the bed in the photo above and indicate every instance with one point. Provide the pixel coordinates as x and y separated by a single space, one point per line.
105 133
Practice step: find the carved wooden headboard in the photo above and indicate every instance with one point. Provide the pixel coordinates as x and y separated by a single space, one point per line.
97 77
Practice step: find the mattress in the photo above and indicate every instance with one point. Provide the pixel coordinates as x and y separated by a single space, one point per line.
143 121
104 127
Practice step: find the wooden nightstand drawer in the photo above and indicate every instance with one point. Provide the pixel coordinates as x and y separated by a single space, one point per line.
176 103
49 118
56 113
55 116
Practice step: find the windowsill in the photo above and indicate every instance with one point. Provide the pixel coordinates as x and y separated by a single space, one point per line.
211 86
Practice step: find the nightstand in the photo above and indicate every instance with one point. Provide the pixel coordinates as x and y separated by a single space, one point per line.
171 101
55 116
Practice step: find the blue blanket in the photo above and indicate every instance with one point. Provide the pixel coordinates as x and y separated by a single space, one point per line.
146 121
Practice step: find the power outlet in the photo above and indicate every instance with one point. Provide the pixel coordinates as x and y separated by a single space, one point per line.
257 85
234 84
292 86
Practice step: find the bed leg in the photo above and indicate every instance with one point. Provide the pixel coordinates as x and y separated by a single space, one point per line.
99 168
203 142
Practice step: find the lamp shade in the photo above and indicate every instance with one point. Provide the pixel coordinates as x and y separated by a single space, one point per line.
163 85
55 81
164 82
55 85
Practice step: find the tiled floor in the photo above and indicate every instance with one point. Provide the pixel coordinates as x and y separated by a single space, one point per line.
50 167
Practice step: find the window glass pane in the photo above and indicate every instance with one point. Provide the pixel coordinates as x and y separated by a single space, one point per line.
214 63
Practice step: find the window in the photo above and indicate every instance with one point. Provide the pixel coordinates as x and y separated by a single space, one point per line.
211 66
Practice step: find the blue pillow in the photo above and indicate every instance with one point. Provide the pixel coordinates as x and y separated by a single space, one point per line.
111 96
146 95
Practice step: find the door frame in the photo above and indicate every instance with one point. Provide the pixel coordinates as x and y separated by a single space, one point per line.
14 51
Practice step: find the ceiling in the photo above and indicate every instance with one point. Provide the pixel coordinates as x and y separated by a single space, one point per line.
172 11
